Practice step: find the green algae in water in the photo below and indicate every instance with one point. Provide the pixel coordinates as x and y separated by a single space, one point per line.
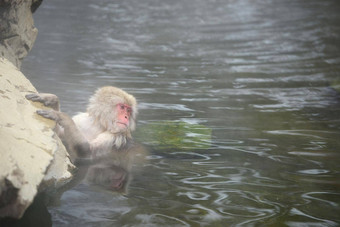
174 135
336 85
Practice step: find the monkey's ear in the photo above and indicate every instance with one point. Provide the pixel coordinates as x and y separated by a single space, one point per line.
101 108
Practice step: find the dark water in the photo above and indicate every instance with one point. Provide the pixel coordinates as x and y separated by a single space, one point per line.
259 73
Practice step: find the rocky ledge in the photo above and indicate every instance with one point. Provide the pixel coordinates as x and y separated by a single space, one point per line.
33 159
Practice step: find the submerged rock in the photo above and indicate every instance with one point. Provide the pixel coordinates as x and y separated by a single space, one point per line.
33 158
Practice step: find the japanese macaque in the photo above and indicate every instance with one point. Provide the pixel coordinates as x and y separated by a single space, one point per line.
101 136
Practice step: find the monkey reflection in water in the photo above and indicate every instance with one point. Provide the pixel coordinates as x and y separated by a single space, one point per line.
99 141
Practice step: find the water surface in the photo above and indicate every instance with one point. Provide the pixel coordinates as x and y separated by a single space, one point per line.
258 73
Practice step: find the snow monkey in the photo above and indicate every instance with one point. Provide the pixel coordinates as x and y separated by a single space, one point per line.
103 132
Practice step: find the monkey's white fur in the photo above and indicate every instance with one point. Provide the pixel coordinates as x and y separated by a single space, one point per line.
98 124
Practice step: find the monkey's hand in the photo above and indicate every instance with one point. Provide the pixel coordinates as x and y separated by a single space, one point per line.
48 100
49 114
74 141
61 118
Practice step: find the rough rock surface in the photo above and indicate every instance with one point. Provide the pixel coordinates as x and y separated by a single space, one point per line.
17 31
32 157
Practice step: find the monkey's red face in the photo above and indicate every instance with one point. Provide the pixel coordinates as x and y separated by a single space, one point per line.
123 115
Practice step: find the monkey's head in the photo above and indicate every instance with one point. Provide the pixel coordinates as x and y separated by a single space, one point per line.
114 109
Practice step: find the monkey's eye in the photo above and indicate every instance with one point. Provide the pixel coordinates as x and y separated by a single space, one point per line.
125 107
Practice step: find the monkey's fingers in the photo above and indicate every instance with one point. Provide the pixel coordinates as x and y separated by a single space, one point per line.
34 97
49 114
46 99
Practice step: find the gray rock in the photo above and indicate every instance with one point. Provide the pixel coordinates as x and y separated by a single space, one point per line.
32 157
17 31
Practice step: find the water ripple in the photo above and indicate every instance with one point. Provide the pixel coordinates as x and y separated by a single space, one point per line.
315 221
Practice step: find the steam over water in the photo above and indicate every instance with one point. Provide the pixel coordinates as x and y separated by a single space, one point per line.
259 73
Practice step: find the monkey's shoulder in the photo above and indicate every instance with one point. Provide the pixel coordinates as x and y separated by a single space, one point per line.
86 125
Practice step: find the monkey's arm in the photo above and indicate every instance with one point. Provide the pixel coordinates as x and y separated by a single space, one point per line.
102 144
74 141
48 100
